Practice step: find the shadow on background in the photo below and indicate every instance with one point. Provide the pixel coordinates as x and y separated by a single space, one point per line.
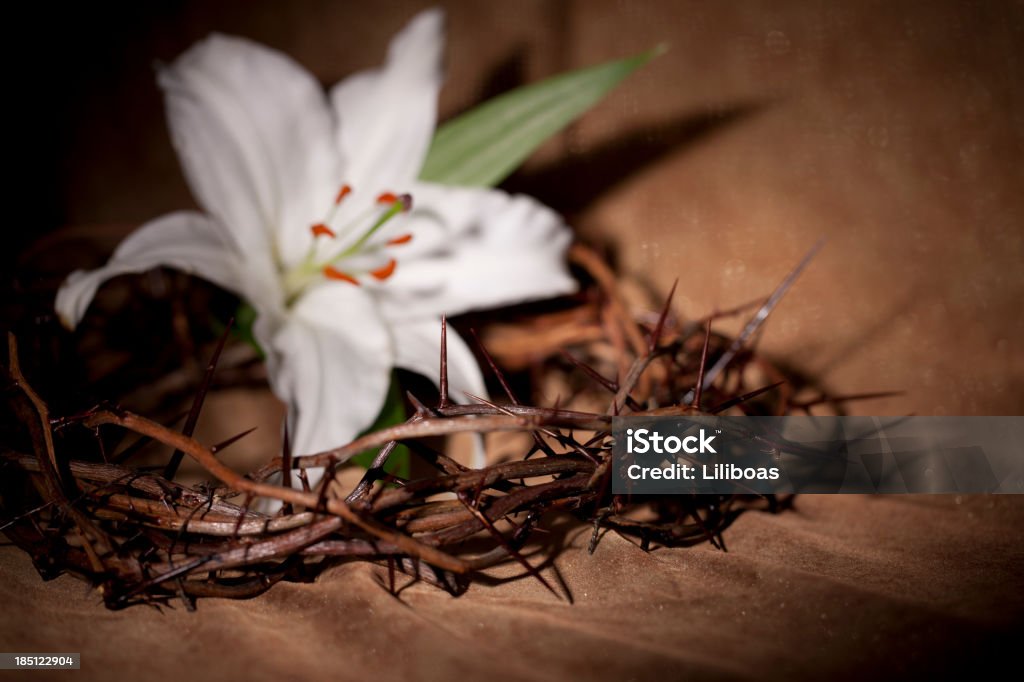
571 184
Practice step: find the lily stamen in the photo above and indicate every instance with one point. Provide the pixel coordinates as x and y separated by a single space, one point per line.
381 274
403 239
343 192
337 266
331 272
321 230
399 204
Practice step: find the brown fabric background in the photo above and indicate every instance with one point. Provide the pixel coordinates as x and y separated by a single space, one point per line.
896 130
842 588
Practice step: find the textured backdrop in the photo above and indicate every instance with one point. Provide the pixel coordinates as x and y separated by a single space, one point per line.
893 129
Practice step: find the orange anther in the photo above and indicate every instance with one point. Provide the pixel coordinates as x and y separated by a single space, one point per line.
321 230
342 193
387 198
386 271
403 239
331 272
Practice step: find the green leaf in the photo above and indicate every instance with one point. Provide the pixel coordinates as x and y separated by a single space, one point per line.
483 146
392 413
245 318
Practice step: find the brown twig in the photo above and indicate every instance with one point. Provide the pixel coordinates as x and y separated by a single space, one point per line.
145 537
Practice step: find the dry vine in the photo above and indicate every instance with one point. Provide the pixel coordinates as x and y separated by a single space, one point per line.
141 537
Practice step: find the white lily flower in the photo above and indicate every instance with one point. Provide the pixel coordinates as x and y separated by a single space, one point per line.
314 215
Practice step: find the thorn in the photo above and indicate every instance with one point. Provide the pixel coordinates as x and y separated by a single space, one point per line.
698 390
330 473
286 466
494 368
708 535
443 400
197 403
548 432
488 403
759 317
732 402
373 473
536 437
538 441
231 441
658 328
612 386
848 398
533 451
591 372
304 480
27 514
421 409
482 518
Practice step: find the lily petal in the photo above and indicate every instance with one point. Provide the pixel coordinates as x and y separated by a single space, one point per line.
331 363
255 138
386 116
493 250
187 241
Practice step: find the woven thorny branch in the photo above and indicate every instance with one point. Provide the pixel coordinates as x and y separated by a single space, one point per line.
141 537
